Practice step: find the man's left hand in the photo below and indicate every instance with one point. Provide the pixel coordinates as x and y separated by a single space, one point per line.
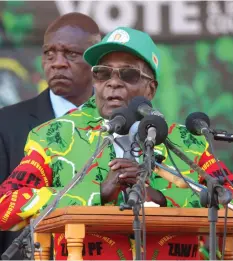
128 170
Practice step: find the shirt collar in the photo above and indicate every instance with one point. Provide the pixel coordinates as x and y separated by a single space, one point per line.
60 105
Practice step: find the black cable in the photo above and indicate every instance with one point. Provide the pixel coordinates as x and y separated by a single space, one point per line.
144 231
149 153
224 174
143 200
135 149
225 232
176 168
143 210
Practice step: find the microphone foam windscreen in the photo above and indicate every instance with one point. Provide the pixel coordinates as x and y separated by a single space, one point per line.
192 121
156 122
129 119
136 102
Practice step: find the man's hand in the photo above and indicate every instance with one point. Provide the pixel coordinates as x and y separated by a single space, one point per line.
126 169
123 172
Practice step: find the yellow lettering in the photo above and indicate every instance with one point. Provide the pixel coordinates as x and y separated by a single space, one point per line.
8 212
161 242
24 162
12 204
208 164
165 239
97 235
111 242
38 166
60 239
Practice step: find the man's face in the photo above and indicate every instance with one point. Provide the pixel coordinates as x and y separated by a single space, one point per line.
115 92
65 70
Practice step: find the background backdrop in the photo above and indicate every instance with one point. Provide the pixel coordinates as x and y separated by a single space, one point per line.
195 39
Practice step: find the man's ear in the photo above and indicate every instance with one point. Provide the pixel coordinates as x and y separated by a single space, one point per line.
152 89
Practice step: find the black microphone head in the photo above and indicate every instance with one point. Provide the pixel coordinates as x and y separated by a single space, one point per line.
156 122
192 120
135 103
129 119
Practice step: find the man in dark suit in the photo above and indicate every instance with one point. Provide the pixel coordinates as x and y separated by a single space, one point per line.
69 86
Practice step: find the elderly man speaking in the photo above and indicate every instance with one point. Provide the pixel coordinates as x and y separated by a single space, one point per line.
125 65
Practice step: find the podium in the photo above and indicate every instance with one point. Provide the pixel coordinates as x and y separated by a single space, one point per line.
77 221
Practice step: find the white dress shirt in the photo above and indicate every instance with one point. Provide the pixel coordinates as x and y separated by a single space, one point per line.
60 105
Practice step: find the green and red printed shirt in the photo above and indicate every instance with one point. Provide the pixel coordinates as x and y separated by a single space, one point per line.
56 150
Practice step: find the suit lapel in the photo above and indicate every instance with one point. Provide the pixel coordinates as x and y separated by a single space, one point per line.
40 110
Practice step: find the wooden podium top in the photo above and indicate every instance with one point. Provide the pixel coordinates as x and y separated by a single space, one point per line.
158 220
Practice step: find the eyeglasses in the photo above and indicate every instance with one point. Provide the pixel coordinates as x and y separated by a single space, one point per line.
129 75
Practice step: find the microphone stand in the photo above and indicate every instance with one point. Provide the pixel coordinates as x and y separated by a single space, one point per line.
216 194
26 237
134 202
135 194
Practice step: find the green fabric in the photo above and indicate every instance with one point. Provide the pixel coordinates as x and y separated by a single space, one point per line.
68 142
129 40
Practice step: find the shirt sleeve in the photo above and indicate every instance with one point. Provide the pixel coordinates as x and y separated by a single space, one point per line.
26 185
28 190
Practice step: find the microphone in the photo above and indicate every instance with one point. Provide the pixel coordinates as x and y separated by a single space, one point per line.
222 135
120 121
143 107
153 128
198 123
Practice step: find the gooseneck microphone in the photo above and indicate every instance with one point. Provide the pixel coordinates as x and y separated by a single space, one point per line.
153 127
152 130
120 121
198 123
143 107
149 133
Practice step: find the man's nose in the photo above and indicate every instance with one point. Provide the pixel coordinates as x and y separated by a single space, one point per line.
115 81
60 61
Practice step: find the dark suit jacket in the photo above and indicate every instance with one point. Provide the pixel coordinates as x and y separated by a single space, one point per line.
16 121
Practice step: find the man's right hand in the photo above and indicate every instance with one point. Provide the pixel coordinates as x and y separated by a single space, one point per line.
111 187
123 172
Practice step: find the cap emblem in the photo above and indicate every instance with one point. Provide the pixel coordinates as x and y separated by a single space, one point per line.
119 36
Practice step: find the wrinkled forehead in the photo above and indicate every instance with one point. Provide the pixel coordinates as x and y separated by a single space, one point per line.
66 35
119 59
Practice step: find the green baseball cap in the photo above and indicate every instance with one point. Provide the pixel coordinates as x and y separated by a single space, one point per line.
129 40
